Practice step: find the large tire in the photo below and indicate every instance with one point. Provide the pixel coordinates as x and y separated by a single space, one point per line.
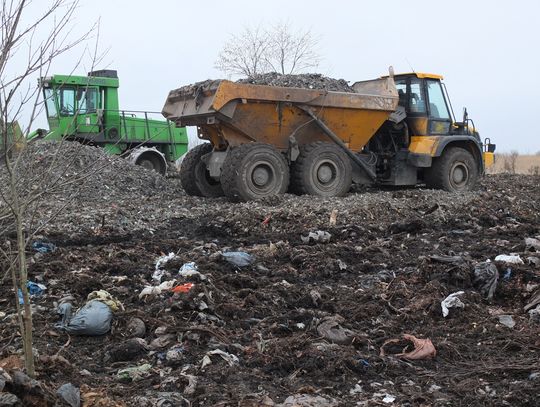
455 171
194 176
254 171
321 169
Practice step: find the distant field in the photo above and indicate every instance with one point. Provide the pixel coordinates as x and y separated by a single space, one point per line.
519 164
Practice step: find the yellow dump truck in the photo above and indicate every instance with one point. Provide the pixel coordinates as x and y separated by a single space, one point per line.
265 140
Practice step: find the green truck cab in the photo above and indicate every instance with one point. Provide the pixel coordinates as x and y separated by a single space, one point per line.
86 109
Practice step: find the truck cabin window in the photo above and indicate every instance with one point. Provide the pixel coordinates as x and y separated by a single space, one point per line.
437 104
50 102
67 102
87 100
417 102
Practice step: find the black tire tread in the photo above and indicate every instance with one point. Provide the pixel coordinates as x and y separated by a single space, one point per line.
437 176
187 171
229 173
302 164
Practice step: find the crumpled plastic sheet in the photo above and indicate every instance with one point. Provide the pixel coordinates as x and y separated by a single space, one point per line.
486 277
239 259
452 301
423 348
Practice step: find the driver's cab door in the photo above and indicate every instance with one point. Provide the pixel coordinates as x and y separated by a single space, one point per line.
87 115
439 121
425 104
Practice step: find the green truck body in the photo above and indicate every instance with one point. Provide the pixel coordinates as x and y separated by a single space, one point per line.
86 109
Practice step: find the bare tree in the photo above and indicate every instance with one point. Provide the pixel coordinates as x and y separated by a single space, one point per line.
278 49
30 42
245 53
291 52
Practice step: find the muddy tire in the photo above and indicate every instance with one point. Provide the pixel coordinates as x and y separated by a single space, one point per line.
455 171
254 171
194 176
321 169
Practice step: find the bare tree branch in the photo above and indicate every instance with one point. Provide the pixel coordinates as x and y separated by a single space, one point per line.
254 51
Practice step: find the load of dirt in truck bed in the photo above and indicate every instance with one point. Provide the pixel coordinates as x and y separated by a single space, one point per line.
292 301
306 81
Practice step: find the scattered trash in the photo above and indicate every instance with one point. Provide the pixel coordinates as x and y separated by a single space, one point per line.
423 348
509 259
136 328
43 247
318 236
452 301
93 319
486 276
534 315
126 351
34 290
333 217
190 270
175 353
182 288
227 357
532 244
238 259
132 374
70 394
160 262
507 321
341 265
508 274
308 400
534 376
106 298
156 290
162 341
330 329
388 399
533 301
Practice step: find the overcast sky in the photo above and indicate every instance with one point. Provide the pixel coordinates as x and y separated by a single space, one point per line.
488 51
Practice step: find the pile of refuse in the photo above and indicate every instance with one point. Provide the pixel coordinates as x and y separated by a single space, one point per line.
81 171
306 81
394 297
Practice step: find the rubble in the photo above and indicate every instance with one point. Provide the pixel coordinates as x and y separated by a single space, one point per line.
402 259
306 81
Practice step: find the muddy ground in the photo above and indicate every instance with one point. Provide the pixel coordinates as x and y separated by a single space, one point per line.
375 273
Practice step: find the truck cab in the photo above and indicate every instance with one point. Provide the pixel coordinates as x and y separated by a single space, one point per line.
425 142
86 109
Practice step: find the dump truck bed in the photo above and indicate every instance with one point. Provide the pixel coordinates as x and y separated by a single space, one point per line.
231 114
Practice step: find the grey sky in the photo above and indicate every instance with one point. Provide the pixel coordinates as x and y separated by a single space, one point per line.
486 50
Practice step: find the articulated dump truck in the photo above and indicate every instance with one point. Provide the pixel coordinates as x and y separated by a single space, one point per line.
266 140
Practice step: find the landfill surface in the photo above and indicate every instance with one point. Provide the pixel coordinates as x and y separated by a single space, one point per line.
329 302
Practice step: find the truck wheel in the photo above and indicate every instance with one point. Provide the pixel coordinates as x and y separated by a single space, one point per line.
321 169
194 176
254 171
456 170
149 158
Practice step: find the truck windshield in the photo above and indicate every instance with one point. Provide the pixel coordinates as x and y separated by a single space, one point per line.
50 103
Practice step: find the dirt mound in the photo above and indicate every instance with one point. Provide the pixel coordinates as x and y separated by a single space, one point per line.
304 321
306 81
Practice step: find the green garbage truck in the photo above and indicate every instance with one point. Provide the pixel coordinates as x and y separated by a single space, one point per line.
86 109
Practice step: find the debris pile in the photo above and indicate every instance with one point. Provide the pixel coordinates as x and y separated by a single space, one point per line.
382 297
306 81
